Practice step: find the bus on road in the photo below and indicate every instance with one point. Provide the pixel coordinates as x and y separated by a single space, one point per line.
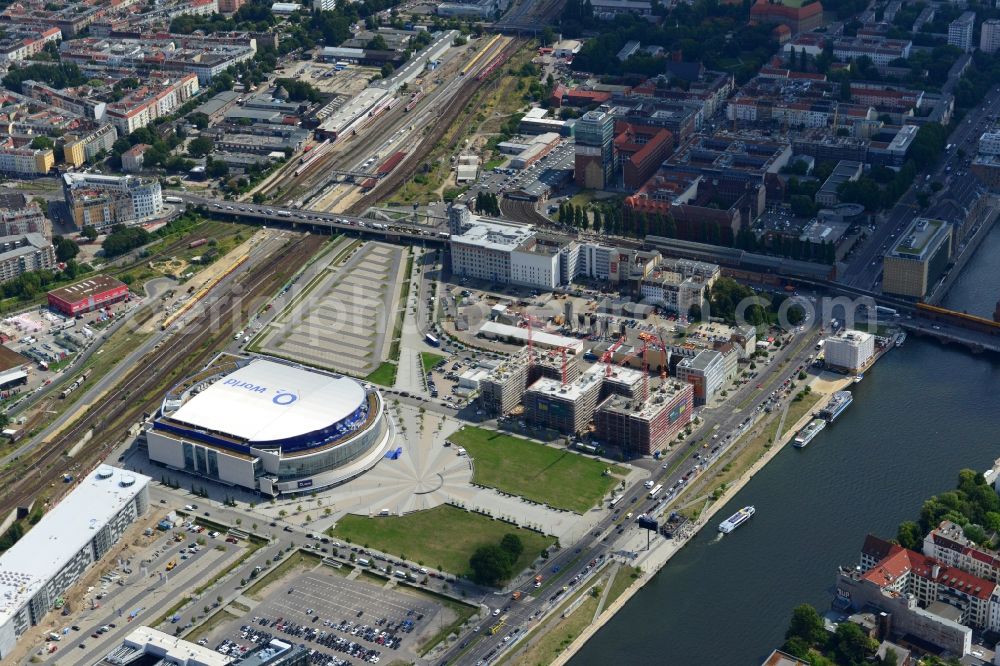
655 491
615 501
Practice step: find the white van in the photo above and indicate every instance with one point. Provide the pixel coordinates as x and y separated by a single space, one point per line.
460 451
363 562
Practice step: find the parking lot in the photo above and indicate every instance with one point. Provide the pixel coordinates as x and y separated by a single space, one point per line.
343 620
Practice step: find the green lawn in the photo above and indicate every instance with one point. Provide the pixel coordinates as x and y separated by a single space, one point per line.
429 360
557 477
384 374
444 537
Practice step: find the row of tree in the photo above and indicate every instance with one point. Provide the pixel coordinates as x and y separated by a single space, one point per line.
487 203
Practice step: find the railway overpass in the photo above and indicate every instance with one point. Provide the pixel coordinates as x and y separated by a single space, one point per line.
315 221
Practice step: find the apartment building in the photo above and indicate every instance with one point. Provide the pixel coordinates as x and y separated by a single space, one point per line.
948 544
25 161
21 42
159 98
81 147
18 216
101 201
961 31
989 36
22 253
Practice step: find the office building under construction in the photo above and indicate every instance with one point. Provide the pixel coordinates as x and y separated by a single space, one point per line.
623 381
502 390
566 407
642 427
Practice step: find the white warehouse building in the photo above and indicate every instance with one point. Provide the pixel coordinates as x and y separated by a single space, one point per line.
849 351
272 427
37 570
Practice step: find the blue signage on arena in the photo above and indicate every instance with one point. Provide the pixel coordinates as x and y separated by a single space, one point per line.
281 397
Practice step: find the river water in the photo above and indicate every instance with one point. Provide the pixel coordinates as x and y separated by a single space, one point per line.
922 414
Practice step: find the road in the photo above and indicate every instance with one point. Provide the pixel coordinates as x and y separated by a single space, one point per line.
865 267
724 422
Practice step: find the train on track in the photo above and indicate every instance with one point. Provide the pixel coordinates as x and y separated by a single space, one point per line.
472 63
77 383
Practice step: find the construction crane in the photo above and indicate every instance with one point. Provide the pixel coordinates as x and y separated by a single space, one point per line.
640 353
655 340
609 355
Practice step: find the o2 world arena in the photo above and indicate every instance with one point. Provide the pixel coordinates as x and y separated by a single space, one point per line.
271 427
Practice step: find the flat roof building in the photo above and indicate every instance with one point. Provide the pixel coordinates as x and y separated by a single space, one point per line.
849 351
57 552
90 294
643 427
567 408
919 258
706 371
518 335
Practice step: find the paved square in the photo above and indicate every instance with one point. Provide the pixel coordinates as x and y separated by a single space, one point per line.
346 320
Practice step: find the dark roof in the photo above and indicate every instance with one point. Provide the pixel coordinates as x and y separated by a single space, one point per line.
13 200
11 359
687 71
876 547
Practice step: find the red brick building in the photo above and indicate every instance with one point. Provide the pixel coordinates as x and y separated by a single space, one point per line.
641 150
798 19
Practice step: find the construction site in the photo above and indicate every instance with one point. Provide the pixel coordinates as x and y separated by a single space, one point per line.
609 403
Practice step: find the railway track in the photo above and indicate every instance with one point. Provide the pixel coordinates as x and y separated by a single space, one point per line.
138 392
451 112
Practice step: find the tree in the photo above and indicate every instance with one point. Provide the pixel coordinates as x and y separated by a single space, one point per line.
199 120
852 644
511 544
89 232
548 36
66 249
909 535
200 147
803 206
491 565
217 169
42 143
377 43
807 625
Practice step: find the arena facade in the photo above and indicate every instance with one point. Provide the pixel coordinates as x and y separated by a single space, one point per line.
271 426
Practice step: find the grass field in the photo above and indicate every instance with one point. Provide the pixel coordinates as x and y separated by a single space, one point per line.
428 360
556 477
384 375
444 537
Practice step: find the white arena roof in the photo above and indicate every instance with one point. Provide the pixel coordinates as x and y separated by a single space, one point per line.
62 533
266 401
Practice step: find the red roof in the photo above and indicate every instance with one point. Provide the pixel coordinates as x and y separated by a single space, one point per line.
768 9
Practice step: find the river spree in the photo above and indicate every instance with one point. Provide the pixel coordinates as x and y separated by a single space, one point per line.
922 414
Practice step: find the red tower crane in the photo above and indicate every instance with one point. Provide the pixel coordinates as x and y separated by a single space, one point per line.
609 354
